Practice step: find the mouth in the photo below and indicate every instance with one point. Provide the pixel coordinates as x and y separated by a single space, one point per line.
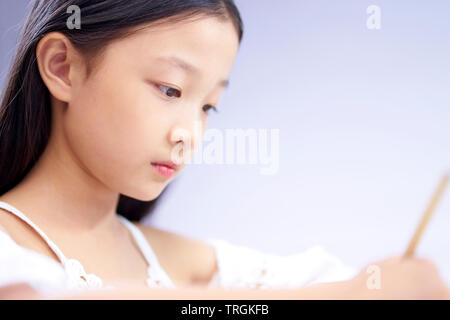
166 168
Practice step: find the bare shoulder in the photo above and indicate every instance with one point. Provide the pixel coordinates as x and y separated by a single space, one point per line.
24 235
182 254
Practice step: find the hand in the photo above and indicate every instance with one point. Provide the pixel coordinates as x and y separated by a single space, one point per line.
401 278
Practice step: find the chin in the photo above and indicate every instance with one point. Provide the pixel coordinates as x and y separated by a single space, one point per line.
149 194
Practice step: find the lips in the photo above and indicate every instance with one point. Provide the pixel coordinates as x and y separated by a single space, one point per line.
168 164
166 169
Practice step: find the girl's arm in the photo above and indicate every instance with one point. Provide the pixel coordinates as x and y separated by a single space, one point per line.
335 290
400 278
343 290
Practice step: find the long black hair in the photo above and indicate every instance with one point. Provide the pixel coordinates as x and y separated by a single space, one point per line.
25 110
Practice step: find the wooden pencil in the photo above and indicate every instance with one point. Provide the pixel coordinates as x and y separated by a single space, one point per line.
426 217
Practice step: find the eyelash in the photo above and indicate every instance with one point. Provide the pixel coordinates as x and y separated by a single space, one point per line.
178 95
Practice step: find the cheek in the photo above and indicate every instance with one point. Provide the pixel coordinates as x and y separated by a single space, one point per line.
113 131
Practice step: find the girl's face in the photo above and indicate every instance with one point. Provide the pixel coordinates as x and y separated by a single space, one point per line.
144 91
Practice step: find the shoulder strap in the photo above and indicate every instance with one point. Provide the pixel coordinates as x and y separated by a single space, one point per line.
49 242
145 248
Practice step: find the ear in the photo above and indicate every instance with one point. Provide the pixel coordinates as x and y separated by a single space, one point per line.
59 65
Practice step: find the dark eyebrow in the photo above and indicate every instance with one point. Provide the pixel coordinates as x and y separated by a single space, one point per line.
186 66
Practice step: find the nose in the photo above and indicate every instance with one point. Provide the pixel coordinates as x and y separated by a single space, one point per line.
184 137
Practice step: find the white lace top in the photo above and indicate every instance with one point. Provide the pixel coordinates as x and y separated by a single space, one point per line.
238 266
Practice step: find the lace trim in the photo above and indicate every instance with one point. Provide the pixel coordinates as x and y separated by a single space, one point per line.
76 273
79 279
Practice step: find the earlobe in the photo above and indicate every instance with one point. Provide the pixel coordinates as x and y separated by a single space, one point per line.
54 55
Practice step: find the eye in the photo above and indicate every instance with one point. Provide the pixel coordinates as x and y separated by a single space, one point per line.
207 107
169 92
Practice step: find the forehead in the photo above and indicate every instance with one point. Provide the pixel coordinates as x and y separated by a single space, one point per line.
196 45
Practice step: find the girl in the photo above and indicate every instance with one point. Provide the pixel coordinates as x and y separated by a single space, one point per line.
98 117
